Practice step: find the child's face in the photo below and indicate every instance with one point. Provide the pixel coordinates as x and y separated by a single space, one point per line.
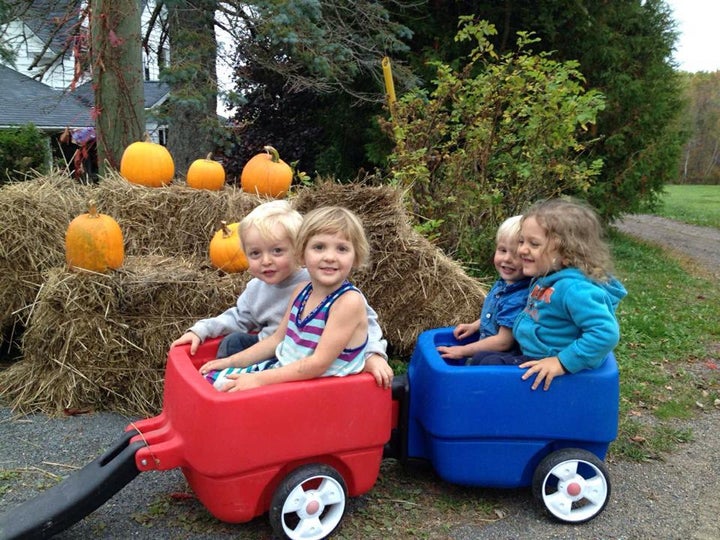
507 262
539 256
329 258
270 260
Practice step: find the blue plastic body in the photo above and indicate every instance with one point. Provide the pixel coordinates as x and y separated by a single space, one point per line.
485 426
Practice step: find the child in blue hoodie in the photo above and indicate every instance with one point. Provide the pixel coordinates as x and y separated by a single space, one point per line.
569 322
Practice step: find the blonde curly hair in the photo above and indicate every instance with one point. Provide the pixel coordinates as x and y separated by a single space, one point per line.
575 230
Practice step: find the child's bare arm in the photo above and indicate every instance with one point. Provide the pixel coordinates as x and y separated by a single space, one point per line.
347 321
464 330
502 341
378 367
262 350
547 369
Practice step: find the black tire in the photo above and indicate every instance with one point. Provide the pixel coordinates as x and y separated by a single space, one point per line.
309 503
572 485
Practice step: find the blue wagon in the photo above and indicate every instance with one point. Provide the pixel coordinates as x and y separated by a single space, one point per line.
484 426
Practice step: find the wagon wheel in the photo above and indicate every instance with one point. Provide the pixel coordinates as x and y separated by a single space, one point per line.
309 503
572 484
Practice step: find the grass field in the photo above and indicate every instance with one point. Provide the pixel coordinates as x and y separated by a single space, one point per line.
697 205
670 334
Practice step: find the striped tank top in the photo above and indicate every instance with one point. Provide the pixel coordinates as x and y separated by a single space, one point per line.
303 334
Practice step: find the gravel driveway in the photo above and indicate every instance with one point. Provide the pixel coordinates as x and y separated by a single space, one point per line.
672 499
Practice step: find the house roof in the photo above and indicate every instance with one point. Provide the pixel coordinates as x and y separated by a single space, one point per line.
25 100
155 93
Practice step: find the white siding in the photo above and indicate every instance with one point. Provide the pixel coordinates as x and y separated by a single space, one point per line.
28 47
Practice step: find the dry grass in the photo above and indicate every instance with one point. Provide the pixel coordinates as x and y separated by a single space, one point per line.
174 220
99 341
33 218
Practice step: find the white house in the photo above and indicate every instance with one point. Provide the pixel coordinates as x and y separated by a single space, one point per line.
44 40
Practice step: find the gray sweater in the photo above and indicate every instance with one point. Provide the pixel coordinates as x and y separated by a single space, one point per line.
261 307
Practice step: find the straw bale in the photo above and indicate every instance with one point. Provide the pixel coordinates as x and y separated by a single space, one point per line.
411 283
99 341
170 220
34 215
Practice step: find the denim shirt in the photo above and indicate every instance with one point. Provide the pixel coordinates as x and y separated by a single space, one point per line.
502 305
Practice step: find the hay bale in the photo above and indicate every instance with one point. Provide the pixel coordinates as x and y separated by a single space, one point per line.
34 215
99 341
411 283
171 220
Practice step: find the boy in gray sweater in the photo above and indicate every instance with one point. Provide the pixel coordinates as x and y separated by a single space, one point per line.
268 235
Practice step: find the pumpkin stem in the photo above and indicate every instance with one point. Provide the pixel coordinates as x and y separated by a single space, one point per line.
92 209
226 231
209 156
275 155
147 137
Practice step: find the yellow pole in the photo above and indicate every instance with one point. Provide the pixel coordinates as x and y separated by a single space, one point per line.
389 85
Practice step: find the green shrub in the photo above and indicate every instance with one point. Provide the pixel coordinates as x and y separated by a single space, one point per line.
492 137
22 151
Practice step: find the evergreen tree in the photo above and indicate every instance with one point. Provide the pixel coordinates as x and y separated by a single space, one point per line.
624 49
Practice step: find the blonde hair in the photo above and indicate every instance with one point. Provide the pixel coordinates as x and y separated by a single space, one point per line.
575 230
510 229
266 216
334 220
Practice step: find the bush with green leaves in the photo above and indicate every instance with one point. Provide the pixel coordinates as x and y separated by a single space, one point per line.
22 151
493 136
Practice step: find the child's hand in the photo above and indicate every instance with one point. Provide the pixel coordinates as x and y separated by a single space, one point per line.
241 381
454 352
378 367
188 337
464 330
214 365
547 369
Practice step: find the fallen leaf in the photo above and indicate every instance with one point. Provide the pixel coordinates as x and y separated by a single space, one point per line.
70 411
181 495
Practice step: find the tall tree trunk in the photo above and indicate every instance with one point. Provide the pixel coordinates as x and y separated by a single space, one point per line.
192 105
117 77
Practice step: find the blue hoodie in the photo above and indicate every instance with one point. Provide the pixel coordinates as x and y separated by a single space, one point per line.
570 316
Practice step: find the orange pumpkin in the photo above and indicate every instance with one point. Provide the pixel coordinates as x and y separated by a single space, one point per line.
147 163
206 174
226 252
266 174
94 242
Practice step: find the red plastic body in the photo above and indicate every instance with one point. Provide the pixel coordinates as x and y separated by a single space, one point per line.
234 448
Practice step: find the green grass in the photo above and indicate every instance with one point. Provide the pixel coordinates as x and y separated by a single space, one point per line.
697 205
669 332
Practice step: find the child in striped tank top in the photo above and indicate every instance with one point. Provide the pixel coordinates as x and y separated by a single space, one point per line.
325 329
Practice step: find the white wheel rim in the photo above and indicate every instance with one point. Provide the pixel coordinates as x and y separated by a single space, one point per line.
311 513
571 496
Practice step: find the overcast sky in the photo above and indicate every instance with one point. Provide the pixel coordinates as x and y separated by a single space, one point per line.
698 47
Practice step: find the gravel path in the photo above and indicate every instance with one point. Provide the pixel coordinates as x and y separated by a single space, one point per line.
701 244
672 499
